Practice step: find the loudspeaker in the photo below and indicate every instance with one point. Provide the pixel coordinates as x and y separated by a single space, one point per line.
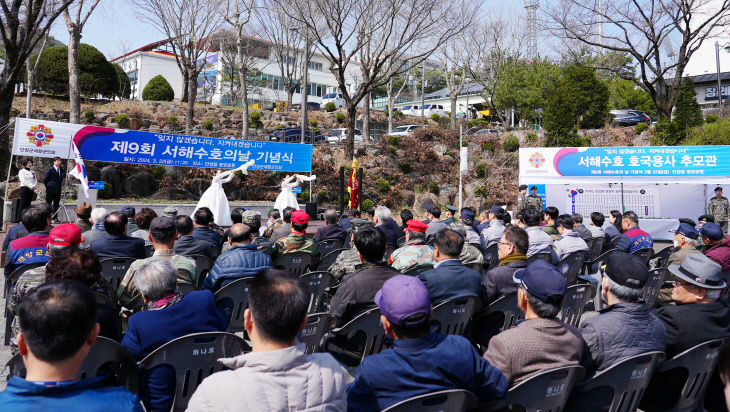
311 209
15 211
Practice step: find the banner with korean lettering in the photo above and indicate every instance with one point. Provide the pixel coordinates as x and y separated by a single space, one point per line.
662 164
131 146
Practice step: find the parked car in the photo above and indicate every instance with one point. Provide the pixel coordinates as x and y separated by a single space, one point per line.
629 117
429 109
310 105
486 131
338 136
294 135
404 130
335 98
411 110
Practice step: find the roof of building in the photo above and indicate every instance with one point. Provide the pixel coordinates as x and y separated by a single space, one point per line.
710 78
469 88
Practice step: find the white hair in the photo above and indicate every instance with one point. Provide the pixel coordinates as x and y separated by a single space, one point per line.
156 278
99 214
382 213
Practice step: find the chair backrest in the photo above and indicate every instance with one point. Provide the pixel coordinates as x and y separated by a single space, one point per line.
452 400
653 286
627 380
571 265
115 268
318 282
232 300
477 267
296 263
401 240
575 301
699 362
614 241
106 357
12 279
547 257
328 259
596 247
215 251
194 358
662 257
453 315
185 287
368 323
203 264
546 391
418 270
318 324
326 246
388 251
491 258
644 253
507 305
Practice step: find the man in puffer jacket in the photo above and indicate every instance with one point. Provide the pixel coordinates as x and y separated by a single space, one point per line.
277 376
718 246
242 260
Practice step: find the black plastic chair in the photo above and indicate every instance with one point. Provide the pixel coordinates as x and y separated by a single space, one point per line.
296 263
106 357
215 251
589 265
491 259
232 300
546 391
368 323
328 259
12 278
627 381
452 316
318 324
507 305
575 301
418 270
203 264
452 400
644 253
318 283
194 357
661 258
114 269
653 286
571 265
547 257
594 249
698 363
326 246
499 316
477 267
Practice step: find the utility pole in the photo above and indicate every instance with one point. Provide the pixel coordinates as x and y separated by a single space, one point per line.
423 93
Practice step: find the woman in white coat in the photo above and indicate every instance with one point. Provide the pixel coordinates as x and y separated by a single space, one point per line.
214 198
28 184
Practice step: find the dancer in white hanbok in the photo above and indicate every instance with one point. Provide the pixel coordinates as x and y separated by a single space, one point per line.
214 198
287 198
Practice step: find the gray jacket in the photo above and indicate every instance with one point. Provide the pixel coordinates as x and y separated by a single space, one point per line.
568 243
281 380
434 227
493 233
621 331
540 242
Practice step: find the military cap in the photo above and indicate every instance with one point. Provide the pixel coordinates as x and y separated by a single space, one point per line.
170 211
360 224
718 188
451 208
688 221
706 218
250 216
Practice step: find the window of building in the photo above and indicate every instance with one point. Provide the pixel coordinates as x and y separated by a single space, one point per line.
133 77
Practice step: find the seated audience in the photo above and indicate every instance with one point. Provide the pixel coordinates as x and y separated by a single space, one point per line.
202 219
684 245
539 240
331 230
236 217
569 240
143 218
551 213
717 246
57 330
252 219
614 229
186 244
345 221
415 253
170 211
162 236
470 253
449 278
381 219
435 225
541 341
357 290
275 221
276 373
633 238
579 227
83 214
467 218
493 233
348 260
297 240
98 215
419 362
31 248
283 228
596 226
171 315
242 260
131 222
511 252
118 244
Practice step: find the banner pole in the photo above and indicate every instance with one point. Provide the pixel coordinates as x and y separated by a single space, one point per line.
62 203
7 177
461 136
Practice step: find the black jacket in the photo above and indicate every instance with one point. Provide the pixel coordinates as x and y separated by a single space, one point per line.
690 325
53 181
119 246
330 232
390 237
498 281
357 290
188 245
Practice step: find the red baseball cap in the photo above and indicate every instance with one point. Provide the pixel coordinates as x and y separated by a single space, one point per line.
66 234
416 226
299 216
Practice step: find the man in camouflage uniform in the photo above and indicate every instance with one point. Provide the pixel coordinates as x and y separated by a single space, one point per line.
415 253
450 212
521 199
534 200
470 254
348 259
719 208
252 219
162 235
297 241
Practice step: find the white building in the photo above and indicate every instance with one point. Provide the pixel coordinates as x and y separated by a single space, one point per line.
468 103
148 61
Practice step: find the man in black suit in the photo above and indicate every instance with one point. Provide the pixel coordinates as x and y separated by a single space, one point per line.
54 181
186 244
331 230
118 244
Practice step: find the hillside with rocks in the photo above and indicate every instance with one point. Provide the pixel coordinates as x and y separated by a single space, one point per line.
399 172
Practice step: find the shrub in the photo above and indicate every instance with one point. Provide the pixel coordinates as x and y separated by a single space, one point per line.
96 74
449 153
279 127
255 118
393 140
510 143
122 120
366 204
158 172
383 186
340 118
330 107
641 127
107 192
158 89
323 195
208 125
405 168
392 148
124 86
173 121
433 187
666 133
435 117
304 195
716 133
488 146
531 138
481 191
481 170
89 115
478 122
398 115
687 112
464 143
313 124
711 118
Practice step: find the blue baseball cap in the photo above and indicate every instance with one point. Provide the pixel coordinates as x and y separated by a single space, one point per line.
711 231
496 210
401 297
686 230
541 280
467 214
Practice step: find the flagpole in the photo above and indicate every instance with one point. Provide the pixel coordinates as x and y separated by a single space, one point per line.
461 128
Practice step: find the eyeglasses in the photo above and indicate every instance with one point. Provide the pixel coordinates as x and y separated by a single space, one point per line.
682 283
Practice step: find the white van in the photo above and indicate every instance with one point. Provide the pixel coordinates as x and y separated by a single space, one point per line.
335 98
411 110
429 109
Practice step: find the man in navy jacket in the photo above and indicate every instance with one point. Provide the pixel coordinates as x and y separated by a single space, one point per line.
202 219
118 244
243 260
331 230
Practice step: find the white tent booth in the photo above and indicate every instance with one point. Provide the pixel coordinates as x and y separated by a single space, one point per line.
660 183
